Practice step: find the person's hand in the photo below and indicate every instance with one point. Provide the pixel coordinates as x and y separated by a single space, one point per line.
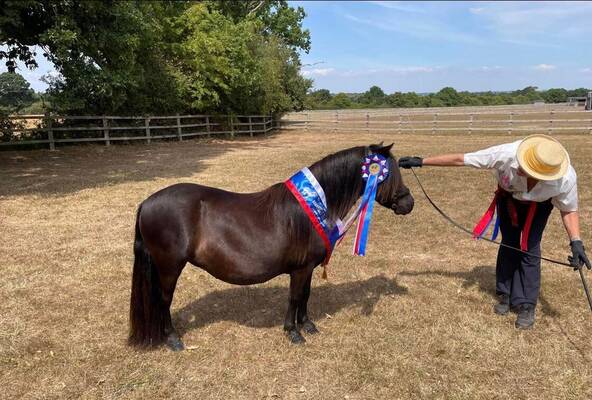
578 257
410 162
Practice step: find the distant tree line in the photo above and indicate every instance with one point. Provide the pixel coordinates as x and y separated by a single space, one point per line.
143 57
375 97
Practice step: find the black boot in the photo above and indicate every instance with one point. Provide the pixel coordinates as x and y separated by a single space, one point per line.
503 307
525 318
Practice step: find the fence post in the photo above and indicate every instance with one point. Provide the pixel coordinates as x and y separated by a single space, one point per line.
471 125
367 122
106 131
336 120
49 123
510 123
231 126
147 127
306 122
435 123
551 122
179 131
251 125
208 126
400 122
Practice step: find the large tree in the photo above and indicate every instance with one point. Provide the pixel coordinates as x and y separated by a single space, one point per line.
15 92
167 56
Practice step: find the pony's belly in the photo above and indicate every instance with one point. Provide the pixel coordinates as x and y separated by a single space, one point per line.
244 275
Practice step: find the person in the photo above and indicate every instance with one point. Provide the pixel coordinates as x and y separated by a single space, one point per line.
534 175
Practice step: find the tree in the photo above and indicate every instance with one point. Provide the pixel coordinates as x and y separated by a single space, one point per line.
15 92
373 97
447 96
157 57
341 100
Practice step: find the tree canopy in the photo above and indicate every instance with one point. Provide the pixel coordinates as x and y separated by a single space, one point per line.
156 57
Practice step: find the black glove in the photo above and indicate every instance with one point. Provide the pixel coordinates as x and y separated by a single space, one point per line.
410 162
579 257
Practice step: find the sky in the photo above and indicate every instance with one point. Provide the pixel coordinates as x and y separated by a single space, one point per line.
425 46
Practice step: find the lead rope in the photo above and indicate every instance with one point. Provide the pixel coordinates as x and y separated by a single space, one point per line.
462 228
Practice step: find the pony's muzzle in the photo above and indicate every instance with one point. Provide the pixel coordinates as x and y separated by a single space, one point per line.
404 205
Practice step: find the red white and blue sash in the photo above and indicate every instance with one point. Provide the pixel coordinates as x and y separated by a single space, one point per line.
311 197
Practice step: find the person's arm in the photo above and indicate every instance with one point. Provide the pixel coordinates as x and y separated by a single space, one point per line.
571 222
446 160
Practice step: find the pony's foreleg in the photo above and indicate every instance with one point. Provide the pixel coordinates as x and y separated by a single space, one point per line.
302 318
298 280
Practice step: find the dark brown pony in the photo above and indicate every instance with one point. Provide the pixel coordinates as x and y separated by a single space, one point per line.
242 238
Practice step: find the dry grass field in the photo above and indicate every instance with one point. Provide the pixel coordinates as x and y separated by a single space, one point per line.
413 319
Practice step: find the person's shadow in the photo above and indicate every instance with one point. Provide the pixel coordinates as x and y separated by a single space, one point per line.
482 276
264 307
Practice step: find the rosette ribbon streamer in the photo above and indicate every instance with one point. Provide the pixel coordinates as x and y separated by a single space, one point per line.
374 171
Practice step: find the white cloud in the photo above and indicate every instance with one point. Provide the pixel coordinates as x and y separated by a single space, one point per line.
318 72
391 70
520 20
545 67
586 70
423 28
398 6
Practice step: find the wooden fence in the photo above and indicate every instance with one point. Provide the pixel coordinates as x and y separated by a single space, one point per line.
519 120
54 129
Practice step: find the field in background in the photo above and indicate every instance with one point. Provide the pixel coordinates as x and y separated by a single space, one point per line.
413 319
517 119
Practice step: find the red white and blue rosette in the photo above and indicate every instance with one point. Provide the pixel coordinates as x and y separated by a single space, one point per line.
374 171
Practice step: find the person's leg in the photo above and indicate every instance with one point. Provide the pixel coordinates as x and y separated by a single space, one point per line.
526 281
508 260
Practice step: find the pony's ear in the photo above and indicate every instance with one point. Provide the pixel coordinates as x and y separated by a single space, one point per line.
385 150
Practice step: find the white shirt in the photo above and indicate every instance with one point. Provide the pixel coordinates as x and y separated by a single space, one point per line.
563 192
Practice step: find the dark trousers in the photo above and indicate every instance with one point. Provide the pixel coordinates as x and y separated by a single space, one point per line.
517 274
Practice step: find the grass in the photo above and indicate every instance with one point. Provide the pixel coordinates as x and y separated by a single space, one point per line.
413 319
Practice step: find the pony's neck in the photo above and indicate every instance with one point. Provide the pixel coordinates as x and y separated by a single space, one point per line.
340 177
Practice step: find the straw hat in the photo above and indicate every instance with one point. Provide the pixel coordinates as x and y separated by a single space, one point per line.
542 157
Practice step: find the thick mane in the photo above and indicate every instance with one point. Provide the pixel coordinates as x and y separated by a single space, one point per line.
339 176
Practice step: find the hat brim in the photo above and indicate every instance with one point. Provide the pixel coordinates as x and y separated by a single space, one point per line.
532 141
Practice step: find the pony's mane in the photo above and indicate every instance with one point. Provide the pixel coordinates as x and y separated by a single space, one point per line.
339 176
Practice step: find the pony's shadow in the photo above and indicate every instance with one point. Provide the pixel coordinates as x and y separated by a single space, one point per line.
264 307
483 277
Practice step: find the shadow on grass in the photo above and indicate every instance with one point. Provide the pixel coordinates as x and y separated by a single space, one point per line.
264 307
483 277
74 168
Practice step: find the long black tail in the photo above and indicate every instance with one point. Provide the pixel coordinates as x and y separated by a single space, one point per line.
147 311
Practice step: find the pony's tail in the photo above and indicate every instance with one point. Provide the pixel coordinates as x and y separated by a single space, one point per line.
147 310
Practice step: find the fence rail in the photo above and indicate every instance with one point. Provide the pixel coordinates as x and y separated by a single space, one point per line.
54 129
531 120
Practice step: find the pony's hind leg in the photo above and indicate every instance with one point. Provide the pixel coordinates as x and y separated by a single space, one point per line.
168 281
298 280
302 318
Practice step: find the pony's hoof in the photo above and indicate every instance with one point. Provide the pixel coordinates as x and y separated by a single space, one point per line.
295 337
175 343
309 327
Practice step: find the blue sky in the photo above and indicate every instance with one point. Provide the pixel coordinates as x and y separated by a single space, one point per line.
424 46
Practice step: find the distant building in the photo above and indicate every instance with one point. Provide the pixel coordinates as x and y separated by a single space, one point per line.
539 102
576 101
